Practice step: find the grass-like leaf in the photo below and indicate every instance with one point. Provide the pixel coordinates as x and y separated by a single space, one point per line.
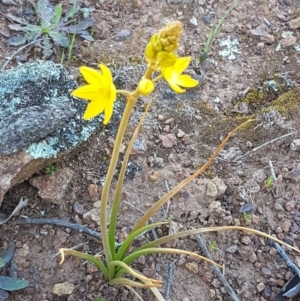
12 284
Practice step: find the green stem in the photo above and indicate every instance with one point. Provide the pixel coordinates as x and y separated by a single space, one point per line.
124 92
157 78
116 202
148 72
109 176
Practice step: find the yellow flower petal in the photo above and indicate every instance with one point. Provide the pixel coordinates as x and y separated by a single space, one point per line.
186 81
108 113
146 86
181 64
93 109
106 74
92 76
90 92
165 59
175 87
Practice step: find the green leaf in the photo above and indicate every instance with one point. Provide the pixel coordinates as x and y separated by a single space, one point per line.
16 40
12 284
7 254
59 38
73 10
57 15
3 295
2 263
45 11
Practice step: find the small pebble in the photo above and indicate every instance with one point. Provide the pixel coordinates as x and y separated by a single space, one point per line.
192 267
260 287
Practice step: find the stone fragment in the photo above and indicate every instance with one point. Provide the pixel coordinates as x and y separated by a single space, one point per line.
78 208
289 41
260 287
60 238
295 23
65 288
168 121
263 34
168 141
286 226
216 187
93 189
246 240
154 176
139 146
123 35
180 133
296 144
289 206
192 267
173 229
92 216
253 258
52 188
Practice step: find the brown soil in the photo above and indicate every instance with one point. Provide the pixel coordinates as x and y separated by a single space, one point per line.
206 114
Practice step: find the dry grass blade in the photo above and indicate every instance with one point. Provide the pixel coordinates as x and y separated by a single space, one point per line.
134 292
134 273
214 229
176 189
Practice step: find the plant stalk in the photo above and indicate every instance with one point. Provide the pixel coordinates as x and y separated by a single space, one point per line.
109 177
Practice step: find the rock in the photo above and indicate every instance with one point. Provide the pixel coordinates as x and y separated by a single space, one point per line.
123 35
192 267
232 249
216 187
93 189
53 188
266 293
260 287
60 238
289 206
253 258
180 133
168 141
296 144
173 229
168 121
78 208
263 34
289 41
246 240
259 175
286 225
194 21
39 119
64 288
139 146
295 23
92 216
278 206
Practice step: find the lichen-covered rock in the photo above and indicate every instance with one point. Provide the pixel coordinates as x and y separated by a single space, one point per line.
39 119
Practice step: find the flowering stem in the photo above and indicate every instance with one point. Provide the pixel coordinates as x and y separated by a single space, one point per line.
124 92
157 78
109 176
148 72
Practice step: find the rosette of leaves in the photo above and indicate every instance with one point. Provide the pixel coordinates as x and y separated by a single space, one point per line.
9 283
52 27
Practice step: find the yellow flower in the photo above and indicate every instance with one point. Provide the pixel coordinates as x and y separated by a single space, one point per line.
174 77
100 91
146 86
159 51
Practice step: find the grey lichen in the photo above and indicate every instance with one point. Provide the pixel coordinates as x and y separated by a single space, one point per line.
37 113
